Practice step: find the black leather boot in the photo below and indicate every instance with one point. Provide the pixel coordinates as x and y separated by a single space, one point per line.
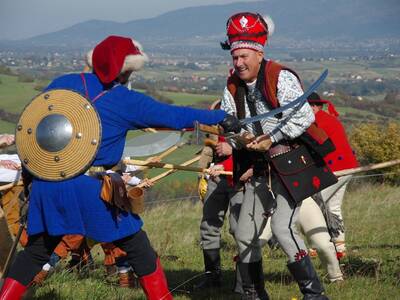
304 273
252 281
212 264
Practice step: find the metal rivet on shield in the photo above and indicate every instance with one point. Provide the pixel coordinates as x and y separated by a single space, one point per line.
29 131
94 142
78 135
26 161
87 106
50 107
62 174
47 96
19 127
56 158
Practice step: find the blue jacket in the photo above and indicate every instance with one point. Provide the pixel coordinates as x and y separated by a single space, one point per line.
74 206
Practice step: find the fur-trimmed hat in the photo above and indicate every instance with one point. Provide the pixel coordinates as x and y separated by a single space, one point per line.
115 55
248 30
315 99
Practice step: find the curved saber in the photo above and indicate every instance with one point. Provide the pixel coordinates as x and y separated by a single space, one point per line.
299 101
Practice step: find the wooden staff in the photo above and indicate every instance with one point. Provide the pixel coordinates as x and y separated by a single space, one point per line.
162 175
10 185
152 130
170 166
12 251
159 157
195 169
136 193
367 168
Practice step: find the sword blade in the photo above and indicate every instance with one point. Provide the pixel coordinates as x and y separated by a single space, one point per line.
151 143
299 101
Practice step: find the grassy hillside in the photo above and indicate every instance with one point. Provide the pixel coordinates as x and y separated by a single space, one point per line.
372 267
14 95
189 99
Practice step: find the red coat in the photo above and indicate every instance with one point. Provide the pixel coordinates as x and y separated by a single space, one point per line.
227 163
343 157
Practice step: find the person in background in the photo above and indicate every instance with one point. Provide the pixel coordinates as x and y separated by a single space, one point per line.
341 159
219 194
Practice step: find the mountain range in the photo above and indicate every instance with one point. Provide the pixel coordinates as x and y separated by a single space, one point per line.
320 20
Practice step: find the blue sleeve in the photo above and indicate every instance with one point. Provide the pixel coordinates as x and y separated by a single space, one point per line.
142 111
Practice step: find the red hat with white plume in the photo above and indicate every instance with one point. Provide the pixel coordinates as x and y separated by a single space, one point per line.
248 30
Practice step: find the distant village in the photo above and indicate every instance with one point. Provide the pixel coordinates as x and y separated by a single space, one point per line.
180 74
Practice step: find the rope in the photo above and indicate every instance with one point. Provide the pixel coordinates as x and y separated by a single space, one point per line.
375 175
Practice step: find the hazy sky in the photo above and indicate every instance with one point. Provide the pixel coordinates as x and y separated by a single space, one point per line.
25 18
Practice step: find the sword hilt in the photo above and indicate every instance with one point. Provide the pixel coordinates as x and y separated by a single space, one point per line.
210 129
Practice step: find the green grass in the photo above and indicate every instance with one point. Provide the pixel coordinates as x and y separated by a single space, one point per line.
14 95
189 99
372 265
6 127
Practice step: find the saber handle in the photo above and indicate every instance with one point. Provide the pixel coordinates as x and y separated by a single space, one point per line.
210 143
209 129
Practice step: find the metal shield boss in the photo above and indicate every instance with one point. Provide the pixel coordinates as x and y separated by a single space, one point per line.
58 135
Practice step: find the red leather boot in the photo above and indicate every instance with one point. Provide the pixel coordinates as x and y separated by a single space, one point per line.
12 290
155 285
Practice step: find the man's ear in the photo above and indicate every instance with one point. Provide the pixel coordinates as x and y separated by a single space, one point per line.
260 56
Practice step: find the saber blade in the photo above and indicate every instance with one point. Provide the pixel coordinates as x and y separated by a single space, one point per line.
299 101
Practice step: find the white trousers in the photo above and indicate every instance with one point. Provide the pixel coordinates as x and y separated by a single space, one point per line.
333 198
312 223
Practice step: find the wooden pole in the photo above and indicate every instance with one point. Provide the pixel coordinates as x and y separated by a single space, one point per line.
159 157
162 175
12 251
368 168
196 169
10 185
170 166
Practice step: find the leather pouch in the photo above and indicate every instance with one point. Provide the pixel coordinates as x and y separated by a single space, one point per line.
302 174
113 191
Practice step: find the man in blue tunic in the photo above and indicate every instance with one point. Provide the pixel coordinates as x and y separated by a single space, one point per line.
74 206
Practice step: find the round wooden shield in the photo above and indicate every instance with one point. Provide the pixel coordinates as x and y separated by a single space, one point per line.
58 135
